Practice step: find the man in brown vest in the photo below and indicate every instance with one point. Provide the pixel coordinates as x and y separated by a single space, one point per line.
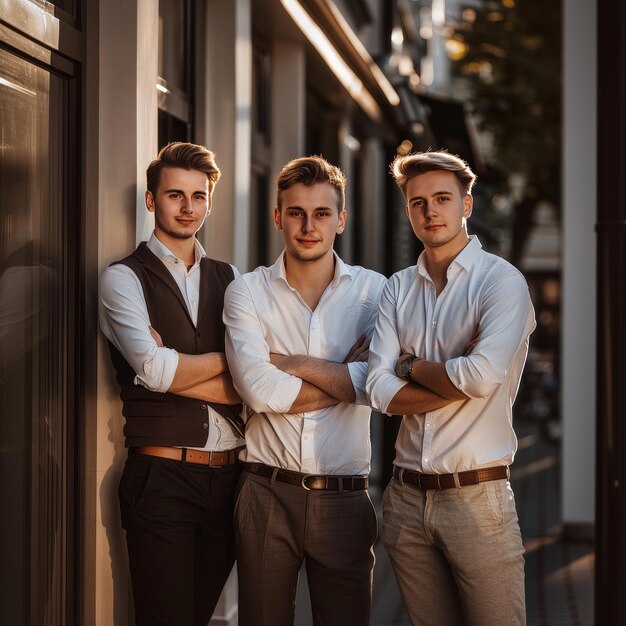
183 416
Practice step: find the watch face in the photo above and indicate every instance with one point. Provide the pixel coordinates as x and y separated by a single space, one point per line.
405 367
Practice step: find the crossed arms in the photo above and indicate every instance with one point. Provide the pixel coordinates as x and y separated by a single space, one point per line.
201 376
271 382
125 322
504 317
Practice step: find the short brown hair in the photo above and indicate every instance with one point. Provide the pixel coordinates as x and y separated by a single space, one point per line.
308 171
408 166
189 156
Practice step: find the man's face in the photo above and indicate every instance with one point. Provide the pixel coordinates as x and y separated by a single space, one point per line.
438 210
181 204
310 219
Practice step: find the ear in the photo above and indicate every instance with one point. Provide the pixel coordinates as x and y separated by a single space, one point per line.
150 202
343 216
468 205
278 223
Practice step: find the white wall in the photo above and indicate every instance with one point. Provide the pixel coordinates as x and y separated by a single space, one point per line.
579 263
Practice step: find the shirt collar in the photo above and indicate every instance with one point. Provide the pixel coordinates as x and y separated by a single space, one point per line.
464 259
162 252
277 271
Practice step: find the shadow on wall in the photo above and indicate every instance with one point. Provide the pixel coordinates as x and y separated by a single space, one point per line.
123 611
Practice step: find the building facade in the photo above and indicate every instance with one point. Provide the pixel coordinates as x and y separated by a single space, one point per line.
89 90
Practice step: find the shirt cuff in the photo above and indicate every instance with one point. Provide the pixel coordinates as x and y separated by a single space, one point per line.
159 371
358 376
453 370
284 395
381 400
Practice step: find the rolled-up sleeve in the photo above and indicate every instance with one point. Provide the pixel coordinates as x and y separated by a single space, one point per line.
125 322
382 383
261 385
506 320
358 376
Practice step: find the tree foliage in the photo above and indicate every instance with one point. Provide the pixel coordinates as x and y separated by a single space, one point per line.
512 62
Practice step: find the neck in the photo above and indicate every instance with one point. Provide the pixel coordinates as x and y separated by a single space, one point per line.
184 249
438 259
310 277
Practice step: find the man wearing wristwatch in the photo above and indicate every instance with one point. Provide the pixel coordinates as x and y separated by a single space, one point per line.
447 353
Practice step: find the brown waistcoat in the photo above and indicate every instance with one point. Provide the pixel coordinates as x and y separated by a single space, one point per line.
167 419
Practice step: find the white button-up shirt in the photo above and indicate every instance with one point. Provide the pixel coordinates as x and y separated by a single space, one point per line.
264 314
124 321
483 291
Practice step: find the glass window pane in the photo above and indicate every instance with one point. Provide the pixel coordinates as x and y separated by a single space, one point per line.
33 339
172 41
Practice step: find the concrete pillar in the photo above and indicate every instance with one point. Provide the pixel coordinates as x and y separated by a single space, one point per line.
288 106
227 70
374 210
578 329
121 127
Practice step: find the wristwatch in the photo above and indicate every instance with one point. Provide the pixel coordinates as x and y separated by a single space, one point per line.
405 367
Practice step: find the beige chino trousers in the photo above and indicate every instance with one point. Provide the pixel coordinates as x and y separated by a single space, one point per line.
457 553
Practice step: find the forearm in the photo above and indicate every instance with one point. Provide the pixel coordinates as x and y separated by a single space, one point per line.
414 399
194 369
433 376
218 389
311 398
332 378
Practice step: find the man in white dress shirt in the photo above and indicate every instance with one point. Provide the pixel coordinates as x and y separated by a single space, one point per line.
183 417
296 344
448 351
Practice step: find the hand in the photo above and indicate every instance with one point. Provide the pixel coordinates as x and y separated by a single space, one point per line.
473 342
156 337
360 351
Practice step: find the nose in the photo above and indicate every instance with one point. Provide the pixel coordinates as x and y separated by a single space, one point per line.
430 210
186 205
307 224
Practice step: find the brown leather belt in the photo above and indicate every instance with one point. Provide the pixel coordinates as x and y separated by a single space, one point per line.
308 481
446 481
201 457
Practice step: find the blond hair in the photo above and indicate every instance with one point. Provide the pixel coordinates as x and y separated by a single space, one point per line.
308 171
188 156
408 166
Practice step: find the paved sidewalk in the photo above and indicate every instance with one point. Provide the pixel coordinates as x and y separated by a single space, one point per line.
559 575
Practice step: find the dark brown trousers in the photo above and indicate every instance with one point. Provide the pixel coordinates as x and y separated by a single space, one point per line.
280 526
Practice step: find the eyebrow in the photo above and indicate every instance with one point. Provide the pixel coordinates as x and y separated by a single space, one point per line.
437 193
317 208
180 191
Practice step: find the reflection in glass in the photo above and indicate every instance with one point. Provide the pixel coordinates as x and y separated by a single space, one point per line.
172 62
33 450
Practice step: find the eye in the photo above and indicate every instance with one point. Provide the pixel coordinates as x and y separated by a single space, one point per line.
323 214
444 199
174 196
199 197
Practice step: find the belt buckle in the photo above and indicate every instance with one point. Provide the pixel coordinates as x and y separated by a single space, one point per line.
210 458
303 481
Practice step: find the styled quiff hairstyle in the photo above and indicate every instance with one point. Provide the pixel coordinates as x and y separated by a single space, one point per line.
308 171
406 167
188 156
